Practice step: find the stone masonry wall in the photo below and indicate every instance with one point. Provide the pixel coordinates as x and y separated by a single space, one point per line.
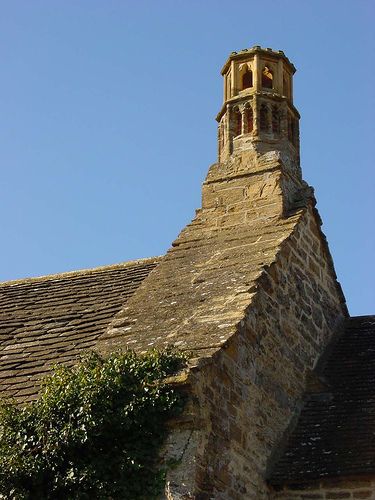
244 398
249 290
330 489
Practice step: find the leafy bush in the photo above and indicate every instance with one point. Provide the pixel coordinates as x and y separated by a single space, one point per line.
94 432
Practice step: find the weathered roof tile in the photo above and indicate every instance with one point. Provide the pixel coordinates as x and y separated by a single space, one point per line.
335 434
53 319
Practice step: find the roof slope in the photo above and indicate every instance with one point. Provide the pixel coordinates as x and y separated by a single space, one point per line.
49 320
335 434
200 291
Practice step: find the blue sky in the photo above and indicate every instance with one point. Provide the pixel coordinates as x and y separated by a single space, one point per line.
107 124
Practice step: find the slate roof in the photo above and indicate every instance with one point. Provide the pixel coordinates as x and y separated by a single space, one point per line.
52 319
335 434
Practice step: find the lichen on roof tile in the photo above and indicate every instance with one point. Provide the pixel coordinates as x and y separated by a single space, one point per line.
53 319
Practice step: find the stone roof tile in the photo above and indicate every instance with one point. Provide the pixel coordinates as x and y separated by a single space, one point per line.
335 433
197 296
53 319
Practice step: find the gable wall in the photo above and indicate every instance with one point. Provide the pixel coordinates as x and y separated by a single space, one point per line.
198 293
246 397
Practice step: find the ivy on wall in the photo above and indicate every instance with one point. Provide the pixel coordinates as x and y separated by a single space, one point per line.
95 431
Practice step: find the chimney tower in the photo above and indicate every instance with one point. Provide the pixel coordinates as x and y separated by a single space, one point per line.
258 129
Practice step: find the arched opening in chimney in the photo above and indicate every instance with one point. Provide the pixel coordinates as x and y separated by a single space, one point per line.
247 79
237 122
267 78
263 117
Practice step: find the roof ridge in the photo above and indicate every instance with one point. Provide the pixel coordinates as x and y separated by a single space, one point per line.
362 316
80 272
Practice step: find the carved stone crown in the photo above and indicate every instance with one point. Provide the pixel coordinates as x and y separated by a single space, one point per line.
258 104
258 169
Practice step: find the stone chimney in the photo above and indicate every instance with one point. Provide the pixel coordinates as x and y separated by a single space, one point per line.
248 289
258 136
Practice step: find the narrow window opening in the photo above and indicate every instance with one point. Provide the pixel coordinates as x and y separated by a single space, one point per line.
228 86
237 123
263 117
286 86
247 79
291 128
221 138
267 78
275 120
249 120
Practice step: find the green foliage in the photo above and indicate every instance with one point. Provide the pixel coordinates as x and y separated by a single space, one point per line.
94 432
